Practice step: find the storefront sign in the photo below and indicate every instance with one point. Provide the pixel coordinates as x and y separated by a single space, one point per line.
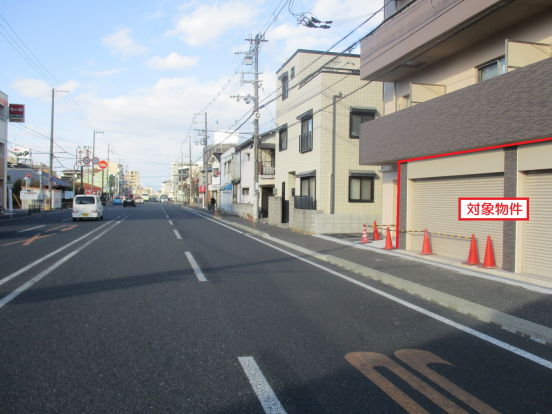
493 208
17 113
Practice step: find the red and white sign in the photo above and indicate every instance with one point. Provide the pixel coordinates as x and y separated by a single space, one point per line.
201 189
17 113
28 175
102 164
493 208
86 160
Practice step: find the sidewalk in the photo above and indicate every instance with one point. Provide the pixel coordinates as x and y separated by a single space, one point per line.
21 214
498 297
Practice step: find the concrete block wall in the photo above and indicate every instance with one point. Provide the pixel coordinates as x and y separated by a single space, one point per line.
343 223
239 209
275 210
302 220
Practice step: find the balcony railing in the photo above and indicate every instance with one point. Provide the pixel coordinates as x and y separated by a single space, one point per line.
267 168
304 203
305 142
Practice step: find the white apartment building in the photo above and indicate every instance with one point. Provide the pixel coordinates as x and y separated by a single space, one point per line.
321 104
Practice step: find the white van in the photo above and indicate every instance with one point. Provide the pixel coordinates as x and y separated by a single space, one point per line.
87 206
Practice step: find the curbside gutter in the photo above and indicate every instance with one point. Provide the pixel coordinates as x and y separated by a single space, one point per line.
525 328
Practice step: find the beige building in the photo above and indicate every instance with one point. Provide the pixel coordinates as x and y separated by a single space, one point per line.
467 108
133 180
321 104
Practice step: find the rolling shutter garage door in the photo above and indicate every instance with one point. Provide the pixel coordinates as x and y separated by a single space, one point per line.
538 237
435 208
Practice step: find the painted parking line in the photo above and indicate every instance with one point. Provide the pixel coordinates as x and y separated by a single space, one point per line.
267 397
178 236
524 354
32 228
170 221
200 276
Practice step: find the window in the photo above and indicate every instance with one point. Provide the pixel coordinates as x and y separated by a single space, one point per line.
305 139
245 191
234 193
292 72
361 189
308 187
285 87
492 69
357 118
403 102
248 156
283 139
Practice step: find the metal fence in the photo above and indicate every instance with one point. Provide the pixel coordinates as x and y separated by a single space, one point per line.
304 203
33 208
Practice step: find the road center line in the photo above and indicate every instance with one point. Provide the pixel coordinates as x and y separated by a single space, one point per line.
41 275
33 264
178 236
170 221
166 215
197 270
32 228
269 401
214 221
439 318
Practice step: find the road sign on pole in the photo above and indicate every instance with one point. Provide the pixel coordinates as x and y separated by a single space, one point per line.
28 175
95 160
86 160
102 164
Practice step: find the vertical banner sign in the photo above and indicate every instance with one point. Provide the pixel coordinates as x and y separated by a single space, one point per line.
17 113
493 208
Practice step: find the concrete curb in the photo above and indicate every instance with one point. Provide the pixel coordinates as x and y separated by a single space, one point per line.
527 329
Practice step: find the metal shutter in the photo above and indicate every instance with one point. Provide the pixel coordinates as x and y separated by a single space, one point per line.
435 207
538 234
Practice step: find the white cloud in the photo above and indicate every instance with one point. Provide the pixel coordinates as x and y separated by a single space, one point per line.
120 42
209 22
42 90
173 61
156 15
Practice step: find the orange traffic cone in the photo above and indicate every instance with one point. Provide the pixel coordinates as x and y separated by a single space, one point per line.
376 232
473 257
489 261
388 241
364 235
426 248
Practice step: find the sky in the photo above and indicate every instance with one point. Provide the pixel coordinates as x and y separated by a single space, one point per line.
139 71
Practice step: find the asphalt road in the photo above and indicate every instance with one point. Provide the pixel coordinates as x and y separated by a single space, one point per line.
158 309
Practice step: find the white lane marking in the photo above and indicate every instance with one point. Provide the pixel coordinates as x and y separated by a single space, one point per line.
33 264
214 221
166 215
178 236
269 401
470 331
197 270
467 272
35 279
32 228
70 218
170 221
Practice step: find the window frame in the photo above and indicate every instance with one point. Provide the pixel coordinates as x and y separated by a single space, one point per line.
280 132
500 63
285 86
361 200
358 113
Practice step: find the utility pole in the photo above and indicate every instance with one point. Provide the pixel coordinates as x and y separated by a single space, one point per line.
206 174
190 173
108 183
50 175
254 48
93 157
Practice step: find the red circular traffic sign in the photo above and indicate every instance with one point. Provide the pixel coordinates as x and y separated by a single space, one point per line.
102 164
86 160
28 175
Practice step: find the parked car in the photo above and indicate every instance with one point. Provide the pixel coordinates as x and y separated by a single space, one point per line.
118 200
87 206
129 201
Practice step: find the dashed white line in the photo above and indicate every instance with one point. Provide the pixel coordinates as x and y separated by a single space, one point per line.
197 270
170 221
178 236
439 318
269 401
70 218
32 228
166 215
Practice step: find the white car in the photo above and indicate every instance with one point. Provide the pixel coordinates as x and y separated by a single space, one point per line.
87 206
164 199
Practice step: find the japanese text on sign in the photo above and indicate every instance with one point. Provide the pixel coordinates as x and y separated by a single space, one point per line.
493 208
